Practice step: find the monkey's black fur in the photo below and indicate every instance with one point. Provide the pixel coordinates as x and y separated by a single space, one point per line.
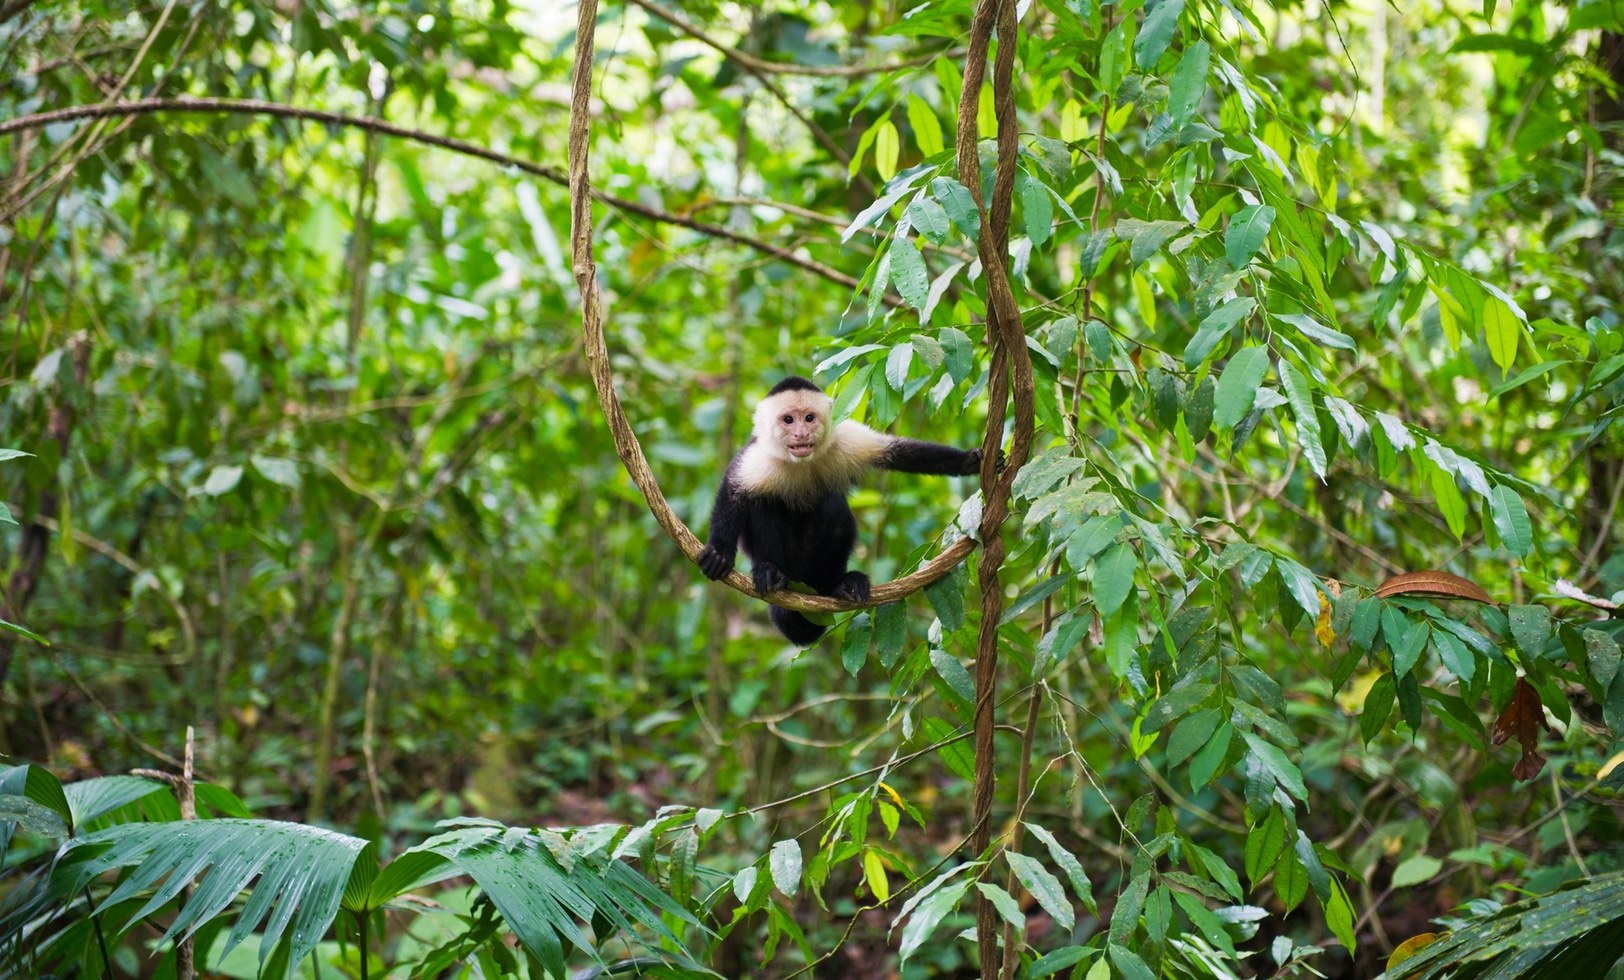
790 514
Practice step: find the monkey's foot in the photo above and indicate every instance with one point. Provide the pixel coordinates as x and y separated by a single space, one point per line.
853 587
767 577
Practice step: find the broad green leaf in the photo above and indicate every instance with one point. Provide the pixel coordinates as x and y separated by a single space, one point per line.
1156 33
1113 578
1081 886
1238 385
960 206
1285 771
1145 237
1415 869
39 786
1378 705
927 129
1035 207
1044 886
1215 326
1185 88
1316 331
1301 399
1246 233
927 915
784 860
1264 844
908 273
1531 628
1339 915
1008 909
222 479
930 218
97 797
1511 520
854 648
952 671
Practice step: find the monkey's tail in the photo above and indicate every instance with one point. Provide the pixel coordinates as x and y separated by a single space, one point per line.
796 628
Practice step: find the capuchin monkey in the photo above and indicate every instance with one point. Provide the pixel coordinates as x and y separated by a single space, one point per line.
784 498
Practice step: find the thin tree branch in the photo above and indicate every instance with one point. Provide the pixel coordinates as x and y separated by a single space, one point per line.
552 174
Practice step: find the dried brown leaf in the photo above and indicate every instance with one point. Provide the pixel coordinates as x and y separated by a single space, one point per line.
1436 584
1523 718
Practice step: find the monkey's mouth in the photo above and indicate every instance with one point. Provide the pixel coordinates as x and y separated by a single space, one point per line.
800 450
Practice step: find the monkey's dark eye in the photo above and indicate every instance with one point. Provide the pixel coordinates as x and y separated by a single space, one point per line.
789 419
810 416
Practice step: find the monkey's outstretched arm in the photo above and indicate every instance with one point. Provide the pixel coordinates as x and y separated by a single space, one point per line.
726 523
916 456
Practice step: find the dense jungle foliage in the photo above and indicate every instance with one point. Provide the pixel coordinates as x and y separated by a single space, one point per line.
335 639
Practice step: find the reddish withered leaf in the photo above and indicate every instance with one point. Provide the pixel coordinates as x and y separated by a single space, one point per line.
1441 585
1523 718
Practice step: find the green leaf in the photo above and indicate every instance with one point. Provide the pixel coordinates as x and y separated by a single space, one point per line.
92 798
1204 765
1301 400
1531 628
1285 772
1511 520
1503 330
927 129
1339 915
1156 33
1247 230
960 206
301 872
1035 207
854 648
1008 909
1238 385
1415 869
1113 578
1378 705
934 904
947 599
1080 884
908 273
1316 331
24 631
1185 88
1145 237
1045 887
784 860
952 671
1215 326
930 218
1264 844
40 787
1602 656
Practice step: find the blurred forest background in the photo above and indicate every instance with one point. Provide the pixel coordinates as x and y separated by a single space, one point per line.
301 450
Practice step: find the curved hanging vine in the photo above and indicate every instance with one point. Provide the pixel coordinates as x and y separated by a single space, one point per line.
626 444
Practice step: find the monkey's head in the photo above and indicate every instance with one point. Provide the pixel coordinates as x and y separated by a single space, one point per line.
793 420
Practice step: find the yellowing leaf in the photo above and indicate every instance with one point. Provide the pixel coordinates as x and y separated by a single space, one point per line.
874 874
887 149
1503 331
1322 624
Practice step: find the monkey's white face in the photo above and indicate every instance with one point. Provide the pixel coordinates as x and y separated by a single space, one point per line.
796 422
